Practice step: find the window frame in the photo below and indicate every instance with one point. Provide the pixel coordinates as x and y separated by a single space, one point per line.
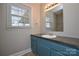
9 20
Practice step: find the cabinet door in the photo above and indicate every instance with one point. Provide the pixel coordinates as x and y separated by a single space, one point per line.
34 44
55 53
43 50
43 47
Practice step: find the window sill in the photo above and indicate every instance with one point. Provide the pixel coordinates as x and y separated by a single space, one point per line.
19 27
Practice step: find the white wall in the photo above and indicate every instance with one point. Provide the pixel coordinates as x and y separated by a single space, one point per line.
15 40
35 17
71 19
0 26
42 16
12 40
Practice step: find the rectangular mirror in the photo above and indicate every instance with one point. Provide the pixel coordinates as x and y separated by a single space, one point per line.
54 19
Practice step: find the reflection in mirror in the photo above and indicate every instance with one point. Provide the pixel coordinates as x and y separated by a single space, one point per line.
54 19
59 20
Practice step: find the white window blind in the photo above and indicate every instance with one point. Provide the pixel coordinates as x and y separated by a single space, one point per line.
48 22
19 15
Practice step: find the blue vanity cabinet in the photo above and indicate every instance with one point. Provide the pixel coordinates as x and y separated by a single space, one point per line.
34 44
46 47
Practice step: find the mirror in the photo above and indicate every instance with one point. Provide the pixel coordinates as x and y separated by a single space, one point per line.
54 19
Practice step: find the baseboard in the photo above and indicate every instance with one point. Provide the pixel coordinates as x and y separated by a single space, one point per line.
21 52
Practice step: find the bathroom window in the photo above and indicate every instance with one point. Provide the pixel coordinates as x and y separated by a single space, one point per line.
18 15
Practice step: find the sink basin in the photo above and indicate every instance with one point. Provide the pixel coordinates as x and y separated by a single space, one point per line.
49 36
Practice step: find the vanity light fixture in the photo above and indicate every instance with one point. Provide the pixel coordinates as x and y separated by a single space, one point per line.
50 6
